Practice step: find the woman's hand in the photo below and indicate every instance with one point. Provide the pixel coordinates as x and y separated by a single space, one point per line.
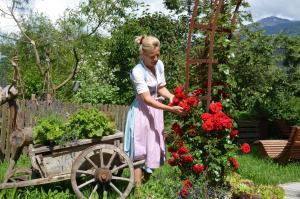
178 110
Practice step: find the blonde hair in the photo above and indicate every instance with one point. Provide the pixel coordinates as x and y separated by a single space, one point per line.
147 43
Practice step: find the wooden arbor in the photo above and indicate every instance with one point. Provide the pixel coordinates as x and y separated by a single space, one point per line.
212 27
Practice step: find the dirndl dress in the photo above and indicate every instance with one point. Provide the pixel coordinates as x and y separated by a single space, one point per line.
144 131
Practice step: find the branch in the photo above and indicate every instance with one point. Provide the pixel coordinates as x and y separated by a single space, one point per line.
4 12
37 56
72 74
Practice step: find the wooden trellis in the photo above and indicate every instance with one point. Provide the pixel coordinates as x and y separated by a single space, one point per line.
212 28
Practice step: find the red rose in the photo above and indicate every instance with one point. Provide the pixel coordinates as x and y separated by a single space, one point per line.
234 133
193 101
234 163
188 159
197 92
187 184
208 126
175 101
227 123
179 89
184 104
217 124
172 162
181 143
245 148
180 96
176 129
184 193
182 150
215 107
175 156
197 168
206 116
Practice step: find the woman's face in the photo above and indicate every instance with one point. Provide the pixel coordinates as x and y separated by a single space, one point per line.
150 58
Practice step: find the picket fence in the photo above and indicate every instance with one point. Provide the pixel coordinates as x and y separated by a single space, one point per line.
29 112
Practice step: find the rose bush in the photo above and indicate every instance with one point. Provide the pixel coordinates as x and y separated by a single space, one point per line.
203 144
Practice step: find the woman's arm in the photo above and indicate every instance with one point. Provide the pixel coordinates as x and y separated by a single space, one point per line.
163 91
147 99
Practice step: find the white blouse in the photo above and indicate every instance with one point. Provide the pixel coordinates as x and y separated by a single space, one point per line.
144 80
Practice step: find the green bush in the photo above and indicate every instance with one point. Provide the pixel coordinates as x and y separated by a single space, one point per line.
52 129
89 123
49 129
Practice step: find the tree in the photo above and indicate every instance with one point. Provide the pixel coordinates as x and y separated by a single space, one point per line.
55 46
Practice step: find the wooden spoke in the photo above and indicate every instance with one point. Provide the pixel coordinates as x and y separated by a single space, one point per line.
101 158
85 172
93 192
111 159
115 188
119 167
92 163
86 183
120 178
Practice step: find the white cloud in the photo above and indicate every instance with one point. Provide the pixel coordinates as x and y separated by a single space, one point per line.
281 8
54 8
51 8
155 6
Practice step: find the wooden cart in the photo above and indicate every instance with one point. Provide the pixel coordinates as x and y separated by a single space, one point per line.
96 167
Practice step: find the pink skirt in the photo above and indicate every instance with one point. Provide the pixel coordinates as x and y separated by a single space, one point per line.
148 135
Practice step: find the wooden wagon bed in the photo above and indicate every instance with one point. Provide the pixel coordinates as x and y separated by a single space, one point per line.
282 150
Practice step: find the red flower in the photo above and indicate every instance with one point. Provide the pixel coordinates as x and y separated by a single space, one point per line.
182 150
175 156
175 101
172 162
234 163
187 183
188 159
184 193
197 92
198 168
227 123
215 107
208 126
181 143
184 104
206 116
245 148
179 89
217 124
193 101
234 133
176 129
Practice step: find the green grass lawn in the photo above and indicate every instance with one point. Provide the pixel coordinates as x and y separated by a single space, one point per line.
264 171
165 183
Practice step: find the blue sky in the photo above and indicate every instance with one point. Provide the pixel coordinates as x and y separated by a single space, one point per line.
260 8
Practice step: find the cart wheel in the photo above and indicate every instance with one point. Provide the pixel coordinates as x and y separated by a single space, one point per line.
96 172
19 174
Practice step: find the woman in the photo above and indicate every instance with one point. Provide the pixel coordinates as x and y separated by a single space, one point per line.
145 125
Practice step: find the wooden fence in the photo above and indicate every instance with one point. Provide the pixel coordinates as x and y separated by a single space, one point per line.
30 111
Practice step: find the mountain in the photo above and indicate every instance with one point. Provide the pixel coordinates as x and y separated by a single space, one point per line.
275 25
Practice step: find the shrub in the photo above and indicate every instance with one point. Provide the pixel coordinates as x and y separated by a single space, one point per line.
90 123
49 129
203 145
